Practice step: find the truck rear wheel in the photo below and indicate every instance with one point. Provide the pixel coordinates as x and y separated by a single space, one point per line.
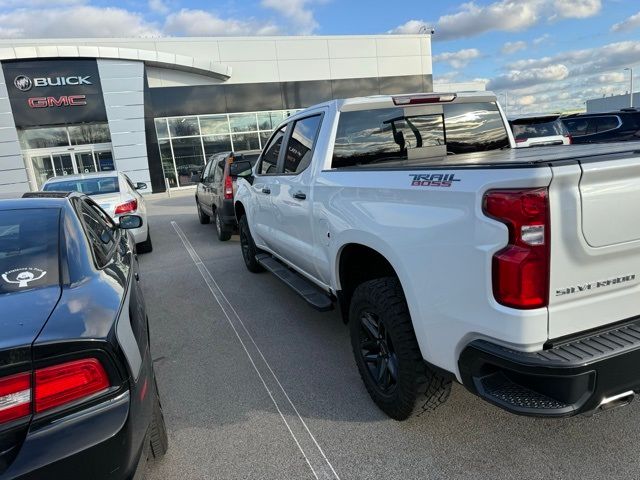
387 353
249 249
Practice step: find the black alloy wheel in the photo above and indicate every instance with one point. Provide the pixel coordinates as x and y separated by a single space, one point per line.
378 354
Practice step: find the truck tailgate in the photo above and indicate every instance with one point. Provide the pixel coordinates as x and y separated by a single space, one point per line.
595 244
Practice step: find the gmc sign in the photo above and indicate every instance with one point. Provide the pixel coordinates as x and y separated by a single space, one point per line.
63 101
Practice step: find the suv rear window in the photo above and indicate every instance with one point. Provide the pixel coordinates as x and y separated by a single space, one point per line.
28 249
386 135
88 186
536 130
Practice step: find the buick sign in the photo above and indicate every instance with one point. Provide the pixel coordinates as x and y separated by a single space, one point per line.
23 83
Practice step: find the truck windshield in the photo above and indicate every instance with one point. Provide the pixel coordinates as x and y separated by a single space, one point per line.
380 135
88 186
28 249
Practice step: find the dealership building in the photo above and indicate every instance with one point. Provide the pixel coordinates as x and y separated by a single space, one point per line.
157 108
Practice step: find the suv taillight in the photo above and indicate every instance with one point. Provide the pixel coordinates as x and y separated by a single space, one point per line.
228 186
53 387
15 397
521 269
127 207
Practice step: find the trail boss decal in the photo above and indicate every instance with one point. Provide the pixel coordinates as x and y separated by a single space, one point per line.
23 276
594 285
433 179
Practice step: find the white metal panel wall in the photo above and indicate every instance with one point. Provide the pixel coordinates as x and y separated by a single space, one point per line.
13 175
123 90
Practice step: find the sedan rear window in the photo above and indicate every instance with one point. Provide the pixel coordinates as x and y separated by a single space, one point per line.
28 249
88 186
390 134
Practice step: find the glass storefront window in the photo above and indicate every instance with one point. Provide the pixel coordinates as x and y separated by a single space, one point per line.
89 133
44 137
245 141
184 126
196 138
167 162
214 124
216 144
243 122
188 157
161 128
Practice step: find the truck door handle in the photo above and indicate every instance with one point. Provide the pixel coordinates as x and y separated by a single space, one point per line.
266 190
300 196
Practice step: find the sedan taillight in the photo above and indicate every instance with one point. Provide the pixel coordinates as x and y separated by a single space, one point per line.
127 207
15 397
68 382
54 386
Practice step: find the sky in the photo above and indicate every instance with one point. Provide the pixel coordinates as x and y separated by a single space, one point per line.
545 55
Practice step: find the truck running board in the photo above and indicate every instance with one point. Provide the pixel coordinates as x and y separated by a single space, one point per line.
303 287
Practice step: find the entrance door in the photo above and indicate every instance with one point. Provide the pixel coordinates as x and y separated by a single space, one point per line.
57 163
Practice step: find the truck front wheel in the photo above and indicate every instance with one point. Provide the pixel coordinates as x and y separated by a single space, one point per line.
387 352
249 249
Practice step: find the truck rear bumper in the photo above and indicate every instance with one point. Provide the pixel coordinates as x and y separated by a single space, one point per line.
578 375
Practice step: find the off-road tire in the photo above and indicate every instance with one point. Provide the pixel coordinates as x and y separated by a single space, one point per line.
249 249
204 218
223 232
418 388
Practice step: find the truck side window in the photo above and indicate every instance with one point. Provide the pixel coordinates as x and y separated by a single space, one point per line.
300 147
269 161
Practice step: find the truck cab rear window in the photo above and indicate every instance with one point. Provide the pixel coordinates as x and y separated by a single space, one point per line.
28 249
386 135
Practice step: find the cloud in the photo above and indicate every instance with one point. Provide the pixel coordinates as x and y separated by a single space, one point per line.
200 23
612 77
541 39
628 24
513 47
458 59
577 8
472 19
79 21
524 78
526 101
297 12
410 27
158 6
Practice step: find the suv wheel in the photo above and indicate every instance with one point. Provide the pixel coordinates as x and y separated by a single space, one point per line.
204 219
387 352
249 250
146 246
223 231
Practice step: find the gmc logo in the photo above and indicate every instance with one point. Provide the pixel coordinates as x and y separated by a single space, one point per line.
63 101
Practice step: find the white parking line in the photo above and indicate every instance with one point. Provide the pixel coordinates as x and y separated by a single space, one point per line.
307 444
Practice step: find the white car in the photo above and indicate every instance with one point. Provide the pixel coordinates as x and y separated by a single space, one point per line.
540 131
115 193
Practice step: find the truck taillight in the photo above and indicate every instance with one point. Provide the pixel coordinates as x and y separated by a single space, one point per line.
15 397
127 207
521 269
228 187
65 383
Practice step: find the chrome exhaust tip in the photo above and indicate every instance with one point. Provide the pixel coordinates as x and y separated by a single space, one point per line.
616 401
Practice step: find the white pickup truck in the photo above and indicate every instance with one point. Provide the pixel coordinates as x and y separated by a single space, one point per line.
452 255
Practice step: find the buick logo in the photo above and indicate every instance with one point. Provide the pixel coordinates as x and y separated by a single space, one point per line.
23 83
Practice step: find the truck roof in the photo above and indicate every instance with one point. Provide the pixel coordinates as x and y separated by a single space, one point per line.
387 101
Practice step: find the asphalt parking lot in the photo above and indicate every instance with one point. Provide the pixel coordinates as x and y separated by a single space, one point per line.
255 384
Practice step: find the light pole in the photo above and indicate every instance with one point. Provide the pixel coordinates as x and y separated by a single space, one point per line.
630 86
